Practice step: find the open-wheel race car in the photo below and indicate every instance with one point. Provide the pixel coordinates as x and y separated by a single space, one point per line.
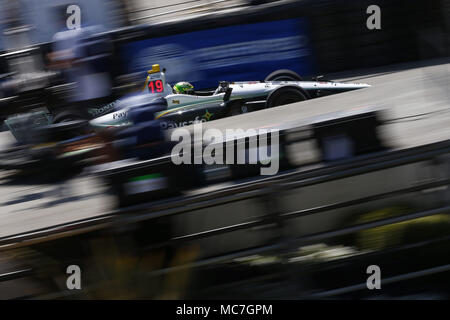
230 98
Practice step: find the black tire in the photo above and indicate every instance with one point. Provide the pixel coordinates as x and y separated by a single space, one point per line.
68 115
235 108
285 96
283 75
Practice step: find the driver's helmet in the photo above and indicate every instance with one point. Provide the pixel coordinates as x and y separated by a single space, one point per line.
183 87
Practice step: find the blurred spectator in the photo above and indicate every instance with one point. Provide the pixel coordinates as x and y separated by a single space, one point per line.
82 54
15 31
11 13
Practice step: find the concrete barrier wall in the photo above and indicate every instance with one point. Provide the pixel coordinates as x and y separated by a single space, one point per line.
339 37
317 195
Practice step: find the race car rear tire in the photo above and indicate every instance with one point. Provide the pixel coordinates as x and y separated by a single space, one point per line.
285 96
68 115
283 75
237 107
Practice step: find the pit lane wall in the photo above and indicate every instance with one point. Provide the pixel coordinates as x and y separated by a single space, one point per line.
241 52
309 37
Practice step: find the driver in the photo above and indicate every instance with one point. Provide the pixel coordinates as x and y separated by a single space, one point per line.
183 88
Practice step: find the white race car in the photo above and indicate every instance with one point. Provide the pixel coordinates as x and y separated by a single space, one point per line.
230 98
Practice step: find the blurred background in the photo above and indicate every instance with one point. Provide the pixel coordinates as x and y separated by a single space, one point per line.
225 232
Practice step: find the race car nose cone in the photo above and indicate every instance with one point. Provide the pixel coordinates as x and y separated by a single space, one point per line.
103 121
98 122
115 119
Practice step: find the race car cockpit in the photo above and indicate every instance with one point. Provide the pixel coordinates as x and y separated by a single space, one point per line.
155 83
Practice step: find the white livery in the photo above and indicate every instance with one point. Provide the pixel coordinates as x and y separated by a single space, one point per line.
230 98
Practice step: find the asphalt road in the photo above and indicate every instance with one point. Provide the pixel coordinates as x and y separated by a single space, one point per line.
415 96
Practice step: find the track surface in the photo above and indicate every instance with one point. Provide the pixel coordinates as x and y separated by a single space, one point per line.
415 96
403 94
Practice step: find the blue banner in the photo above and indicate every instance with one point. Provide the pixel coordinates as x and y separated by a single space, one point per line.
234 53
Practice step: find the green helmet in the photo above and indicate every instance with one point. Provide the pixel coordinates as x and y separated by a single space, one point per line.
183 87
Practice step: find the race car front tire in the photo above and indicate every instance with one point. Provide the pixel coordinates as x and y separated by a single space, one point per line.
284 96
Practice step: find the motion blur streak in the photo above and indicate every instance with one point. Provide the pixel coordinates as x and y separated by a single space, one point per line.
92 209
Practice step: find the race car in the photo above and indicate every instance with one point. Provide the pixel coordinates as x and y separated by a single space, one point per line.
230 98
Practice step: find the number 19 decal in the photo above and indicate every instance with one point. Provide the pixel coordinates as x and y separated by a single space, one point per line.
156 85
